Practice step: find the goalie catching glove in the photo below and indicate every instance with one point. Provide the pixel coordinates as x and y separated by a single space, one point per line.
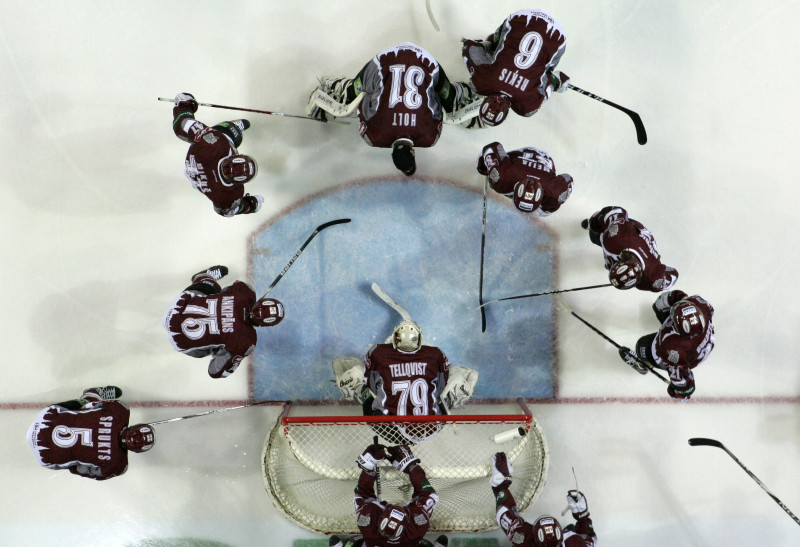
459 387
577 504
402 458
371 457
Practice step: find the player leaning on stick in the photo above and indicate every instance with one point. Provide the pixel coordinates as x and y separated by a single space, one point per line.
527 176
546 531
515 67
213 163
209 320
630 252
402 92
382 524
89 436
685 339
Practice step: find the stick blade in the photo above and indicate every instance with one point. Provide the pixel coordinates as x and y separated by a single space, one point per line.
333 223
700 441
641 134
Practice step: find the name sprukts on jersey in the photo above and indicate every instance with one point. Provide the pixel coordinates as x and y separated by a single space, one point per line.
104 438
408 369
227 318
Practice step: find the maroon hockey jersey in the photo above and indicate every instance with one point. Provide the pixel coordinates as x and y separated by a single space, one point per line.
85 441
400 99
406 383
420 508
679 354
200 325
515 61
208 148
619 233
533 163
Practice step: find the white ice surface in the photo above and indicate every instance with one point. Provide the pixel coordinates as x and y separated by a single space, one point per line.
99 225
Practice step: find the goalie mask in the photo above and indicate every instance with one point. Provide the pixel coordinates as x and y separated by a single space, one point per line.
266 312
138 438
687 319
494 110
407 336
238 168
392 521
528 195
627 272
547 532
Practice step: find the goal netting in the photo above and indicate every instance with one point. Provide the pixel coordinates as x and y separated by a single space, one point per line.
310 471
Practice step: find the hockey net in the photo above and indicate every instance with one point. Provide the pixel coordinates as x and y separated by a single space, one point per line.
310 471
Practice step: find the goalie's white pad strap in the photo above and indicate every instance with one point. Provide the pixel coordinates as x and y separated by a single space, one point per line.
334 107
464 114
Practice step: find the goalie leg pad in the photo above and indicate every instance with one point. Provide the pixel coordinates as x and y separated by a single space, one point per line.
460 386
349 374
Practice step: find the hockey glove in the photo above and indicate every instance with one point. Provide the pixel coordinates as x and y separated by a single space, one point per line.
681 394
401 457
186 100
577 504
631 360
559 81
371 457
502 470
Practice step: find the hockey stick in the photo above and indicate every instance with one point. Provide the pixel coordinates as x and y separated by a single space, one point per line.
390 302
483 246
699 441
315 232
648 366
641 134
268 112
377 472
543 293
466 113
430 15
215 412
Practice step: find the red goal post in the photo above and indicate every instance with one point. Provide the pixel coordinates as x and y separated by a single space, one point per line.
310 471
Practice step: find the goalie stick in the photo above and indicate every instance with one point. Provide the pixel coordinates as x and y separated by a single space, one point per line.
700 441
268 112
390 302
314 233
430 15
648 366
641 134
217 411
463 114
377 473
543 293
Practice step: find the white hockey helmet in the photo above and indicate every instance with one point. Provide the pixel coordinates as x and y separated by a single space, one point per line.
407 336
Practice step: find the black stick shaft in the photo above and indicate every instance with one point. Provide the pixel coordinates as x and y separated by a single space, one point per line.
598 331
641 134
483 247
377 472
545 293
712 442
314 233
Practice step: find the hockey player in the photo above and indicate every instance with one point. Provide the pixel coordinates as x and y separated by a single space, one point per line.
89 436
630 252
399 96
384 525
209 320
527 176
515 67
213 164
685 339
402 377
546 531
